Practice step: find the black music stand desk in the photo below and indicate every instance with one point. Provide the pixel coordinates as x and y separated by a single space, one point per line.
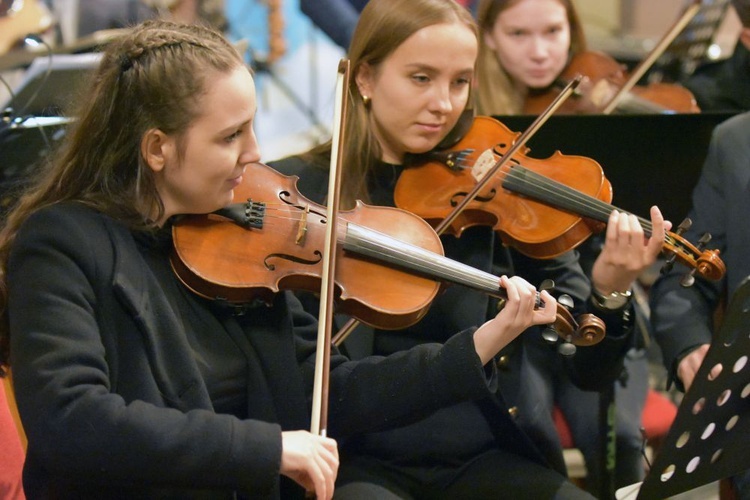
710 436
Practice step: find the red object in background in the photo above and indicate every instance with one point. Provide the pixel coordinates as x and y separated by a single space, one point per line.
11 452
658 414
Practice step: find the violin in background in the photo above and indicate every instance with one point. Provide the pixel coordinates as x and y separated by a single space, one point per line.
607 88
603 77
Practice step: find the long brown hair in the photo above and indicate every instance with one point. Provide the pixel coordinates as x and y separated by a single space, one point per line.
383 26
152 77
495 92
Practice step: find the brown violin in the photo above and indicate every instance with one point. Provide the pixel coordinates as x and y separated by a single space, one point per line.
389 268
608 88
543 208
603 77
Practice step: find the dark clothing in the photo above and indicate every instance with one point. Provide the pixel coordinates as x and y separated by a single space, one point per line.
336 18
682 317
116 376
582 408
723 85
440 444
495 474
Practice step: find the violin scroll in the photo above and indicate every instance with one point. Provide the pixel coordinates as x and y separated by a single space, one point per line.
700 261
587 331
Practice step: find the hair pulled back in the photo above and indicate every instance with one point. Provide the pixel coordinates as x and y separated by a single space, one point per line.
151 78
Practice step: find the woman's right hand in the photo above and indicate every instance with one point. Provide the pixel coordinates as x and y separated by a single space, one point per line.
311 461
690 364
518 314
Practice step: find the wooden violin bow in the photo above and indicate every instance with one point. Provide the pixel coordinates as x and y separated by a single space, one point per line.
319 418
651 58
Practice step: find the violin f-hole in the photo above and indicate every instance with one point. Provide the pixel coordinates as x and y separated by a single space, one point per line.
462 194
291 258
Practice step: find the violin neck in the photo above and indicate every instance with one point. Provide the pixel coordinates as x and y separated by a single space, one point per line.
521 180
376 245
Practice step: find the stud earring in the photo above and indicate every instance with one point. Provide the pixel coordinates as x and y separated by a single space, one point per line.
366 101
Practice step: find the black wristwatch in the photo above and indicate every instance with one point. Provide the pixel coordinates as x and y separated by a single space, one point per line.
611 302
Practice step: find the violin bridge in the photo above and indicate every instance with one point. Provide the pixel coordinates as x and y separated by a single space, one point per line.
302 227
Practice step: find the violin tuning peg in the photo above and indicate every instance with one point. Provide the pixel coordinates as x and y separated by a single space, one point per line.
684 226
567 349
688 280
703 241
549 334
668 263
547 284
565 300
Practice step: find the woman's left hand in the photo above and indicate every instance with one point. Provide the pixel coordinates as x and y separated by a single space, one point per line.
627 251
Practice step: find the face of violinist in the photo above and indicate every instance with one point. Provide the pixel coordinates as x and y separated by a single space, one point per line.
531 39
216 148
419 91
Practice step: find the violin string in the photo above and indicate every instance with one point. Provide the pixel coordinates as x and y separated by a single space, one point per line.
575 200
589 205
545 184
546 189
598 208
412 258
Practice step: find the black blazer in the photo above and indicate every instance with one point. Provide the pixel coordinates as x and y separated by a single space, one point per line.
113 401
683 317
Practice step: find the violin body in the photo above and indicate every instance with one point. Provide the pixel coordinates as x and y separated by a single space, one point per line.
219 259
389 267
537 229
541 207
602 78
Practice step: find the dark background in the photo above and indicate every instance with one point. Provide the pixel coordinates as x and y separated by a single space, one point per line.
648 159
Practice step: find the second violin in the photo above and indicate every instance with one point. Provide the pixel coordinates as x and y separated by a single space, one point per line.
603 78
541 207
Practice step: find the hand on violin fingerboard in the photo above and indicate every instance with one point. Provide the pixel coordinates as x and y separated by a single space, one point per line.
520 312
628 250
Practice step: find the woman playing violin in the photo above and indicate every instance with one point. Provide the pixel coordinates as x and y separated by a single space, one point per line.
129 385
412 63
532 48
526 45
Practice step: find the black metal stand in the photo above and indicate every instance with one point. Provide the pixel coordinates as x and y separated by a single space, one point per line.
608 440
710 436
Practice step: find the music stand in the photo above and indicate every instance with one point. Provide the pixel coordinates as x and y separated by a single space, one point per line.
43 94
24 144
709 438
690 48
